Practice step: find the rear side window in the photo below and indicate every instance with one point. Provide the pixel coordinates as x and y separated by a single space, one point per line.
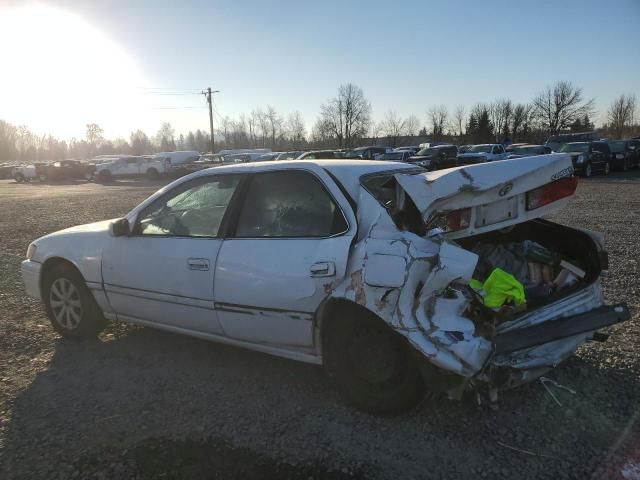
289 204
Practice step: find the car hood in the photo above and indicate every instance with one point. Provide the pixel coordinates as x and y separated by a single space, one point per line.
493 190
89 228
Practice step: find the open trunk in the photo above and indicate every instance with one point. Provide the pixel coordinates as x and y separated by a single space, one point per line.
494 211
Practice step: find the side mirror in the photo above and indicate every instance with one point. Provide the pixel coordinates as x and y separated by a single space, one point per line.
120 228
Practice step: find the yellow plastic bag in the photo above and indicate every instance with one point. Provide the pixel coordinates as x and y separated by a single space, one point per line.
499 288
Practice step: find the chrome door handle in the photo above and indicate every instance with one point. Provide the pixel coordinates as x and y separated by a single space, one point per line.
200 264
323 269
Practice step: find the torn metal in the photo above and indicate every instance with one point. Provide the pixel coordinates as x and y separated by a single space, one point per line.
418 284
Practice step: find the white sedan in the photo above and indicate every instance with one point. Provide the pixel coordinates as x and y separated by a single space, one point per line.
361 266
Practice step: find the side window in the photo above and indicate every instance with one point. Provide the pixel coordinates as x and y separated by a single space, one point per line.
289 204
194 210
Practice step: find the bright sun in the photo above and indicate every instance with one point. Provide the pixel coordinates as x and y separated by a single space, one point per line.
61 73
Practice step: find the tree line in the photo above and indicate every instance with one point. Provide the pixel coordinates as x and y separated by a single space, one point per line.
345 121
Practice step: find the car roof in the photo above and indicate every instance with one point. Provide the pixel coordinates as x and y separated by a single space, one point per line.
346 171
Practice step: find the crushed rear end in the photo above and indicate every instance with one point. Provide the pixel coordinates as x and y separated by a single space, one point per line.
414 267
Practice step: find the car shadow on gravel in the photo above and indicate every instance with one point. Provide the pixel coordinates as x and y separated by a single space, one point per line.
154 404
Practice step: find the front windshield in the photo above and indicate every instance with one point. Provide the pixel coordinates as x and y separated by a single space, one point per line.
617 146
527 150
288 155
480 149
391 156
427 151
575 147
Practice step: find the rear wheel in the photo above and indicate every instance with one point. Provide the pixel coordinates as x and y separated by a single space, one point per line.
372 366
19 177
607 168
587 170
71 308
105 176
152 174
43 177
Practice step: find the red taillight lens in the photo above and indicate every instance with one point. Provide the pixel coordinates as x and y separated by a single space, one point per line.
549 193
458 219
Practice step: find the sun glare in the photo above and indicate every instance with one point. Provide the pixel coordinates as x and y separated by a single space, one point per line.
62 73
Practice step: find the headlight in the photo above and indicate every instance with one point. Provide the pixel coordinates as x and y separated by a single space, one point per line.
580 159
31 251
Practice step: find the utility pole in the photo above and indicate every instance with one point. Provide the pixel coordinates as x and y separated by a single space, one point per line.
207 94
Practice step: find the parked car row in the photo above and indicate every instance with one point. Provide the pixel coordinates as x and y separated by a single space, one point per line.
589 156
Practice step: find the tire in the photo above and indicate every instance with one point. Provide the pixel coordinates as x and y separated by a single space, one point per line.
105 176
607 168
152 174
71 308
588 170
19 177
43 177
88 176
373 368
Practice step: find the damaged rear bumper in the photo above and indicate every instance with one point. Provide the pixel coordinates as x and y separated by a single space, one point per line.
558 329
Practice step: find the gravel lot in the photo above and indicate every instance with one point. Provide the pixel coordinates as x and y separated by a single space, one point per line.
141 403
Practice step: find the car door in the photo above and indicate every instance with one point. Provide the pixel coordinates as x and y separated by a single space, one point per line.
289 246
163 272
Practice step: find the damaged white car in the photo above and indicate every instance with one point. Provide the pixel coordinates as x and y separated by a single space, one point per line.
397 280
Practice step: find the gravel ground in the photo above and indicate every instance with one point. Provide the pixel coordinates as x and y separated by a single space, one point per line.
140 403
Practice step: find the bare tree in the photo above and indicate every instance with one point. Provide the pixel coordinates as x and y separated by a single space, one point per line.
94 136
459 120
500 114
392 127
520 120
165 137
621 113
560 105
296 129
275 123
348 114
438 119
411 125
322 133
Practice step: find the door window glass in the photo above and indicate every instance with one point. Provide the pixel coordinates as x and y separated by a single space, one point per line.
289 204
195 210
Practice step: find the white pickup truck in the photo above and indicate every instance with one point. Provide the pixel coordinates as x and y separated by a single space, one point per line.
130 166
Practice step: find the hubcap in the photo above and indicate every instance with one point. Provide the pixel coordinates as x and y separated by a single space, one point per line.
65 303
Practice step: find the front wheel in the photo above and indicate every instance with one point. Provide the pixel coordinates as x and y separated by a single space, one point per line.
152 174
607 168
372 366
587 170
19 177
71 308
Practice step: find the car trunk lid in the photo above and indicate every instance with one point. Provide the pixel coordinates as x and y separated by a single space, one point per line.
475 199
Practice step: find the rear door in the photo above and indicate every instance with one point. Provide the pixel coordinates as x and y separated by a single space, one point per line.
290 244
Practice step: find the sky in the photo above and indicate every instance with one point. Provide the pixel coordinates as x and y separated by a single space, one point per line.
117 63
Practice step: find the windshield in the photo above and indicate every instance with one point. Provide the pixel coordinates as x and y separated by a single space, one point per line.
427 151
528 150
575 147
289 155
617 146
480 149
391 156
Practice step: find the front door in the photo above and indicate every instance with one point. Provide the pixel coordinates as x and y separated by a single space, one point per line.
289 245
164 271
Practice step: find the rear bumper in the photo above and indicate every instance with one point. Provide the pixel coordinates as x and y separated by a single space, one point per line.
31 277
554 330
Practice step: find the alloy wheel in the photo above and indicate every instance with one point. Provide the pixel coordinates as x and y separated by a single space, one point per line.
64 299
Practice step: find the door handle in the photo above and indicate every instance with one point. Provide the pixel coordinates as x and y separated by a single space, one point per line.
200 264
323 269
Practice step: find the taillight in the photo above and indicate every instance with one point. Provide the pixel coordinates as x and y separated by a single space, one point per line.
451 221
549 193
